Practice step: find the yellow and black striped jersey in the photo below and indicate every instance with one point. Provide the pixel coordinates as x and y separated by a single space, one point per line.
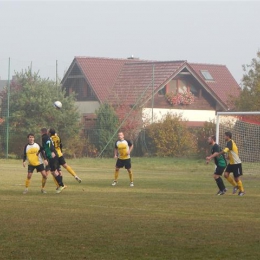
33 155
57 144
123 147
232 150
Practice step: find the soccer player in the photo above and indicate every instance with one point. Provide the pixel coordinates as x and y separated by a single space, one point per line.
220 163
36 158
122 152
235 165
58 147
52 157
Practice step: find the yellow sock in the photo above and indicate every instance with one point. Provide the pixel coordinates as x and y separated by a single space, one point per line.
70 170
231 181
27 183
116 174
240 186
55 181
131 176
43 182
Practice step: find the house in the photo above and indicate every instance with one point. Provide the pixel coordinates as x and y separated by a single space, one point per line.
194 90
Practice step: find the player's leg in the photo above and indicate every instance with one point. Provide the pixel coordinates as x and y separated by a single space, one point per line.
229 169
217 177
41 169
48 171
68 168
119 164
54 165
129 169
28 178
237 173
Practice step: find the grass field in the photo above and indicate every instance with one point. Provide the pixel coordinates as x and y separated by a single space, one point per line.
171 213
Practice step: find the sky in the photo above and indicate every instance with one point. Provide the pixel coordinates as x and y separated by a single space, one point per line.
47 35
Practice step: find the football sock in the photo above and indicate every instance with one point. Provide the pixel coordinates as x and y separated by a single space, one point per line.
44 179
55 181
131 176
231 181
240 186
59 180
70 170
27 183
116 174
220 184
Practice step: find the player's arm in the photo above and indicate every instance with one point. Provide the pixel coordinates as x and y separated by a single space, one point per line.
24 155
227 148
116 151
131 146
212 156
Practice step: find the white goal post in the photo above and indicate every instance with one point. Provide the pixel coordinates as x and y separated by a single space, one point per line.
245 129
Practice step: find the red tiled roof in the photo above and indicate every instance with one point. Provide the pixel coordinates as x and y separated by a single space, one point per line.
101 73
131 79
223 84
135 80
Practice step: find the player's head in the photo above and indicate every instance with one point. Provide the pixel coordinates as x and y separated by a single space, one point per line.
30 138
120 136
228 136
44 131
212 139
52 131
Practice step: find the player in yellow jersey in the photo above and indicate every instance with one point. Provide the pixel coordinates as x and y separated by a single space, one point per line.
58 147
235 165
36 159
122 152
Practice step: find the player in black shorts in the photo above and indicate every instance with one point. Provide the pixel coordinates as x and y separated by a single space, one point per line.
122 152
220 163
52 157
36 158
234 166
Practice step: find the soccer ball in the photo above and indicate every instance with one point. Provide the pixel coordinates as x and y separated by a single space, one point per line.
57 104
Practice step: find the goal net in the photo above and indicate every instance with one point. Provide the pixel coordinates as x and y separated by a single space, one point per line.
245 129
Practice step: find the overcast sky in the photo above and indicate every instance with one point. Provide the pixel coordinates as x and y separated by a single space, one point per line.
41 32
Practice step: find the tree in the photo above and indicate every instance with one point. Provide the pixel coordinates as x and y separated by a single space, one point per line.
31 108
170 137
249 99
106 126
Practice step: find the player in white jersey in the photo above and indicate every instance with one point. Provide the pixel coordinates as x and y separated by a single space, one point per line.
36 159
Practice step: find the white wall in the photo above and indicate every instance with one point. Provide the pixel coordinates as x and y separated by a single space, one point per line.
190 115
86 107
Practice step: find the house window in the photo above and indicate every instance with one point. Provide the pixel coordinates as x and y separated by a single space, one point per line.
162 91
206 75
172 86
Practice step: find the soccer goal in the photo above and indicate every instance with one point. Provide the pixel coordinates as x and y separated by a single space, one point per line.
245 129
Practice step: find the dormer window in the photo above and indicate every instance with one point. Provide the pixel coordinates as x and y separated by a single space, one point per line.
206 75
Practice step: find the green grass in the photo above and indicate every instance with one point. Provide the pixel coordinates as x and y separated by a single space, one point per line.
171 213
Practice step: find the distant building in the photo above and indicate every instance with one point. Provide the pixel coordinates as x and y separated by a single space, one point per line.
194 90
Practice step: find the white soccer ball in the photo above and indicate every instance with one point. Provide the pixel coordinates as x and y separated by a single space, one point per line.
58 104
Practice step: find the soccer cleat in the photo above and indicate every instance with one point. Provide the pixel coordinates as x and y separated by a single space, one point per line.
241 193
131 184
114 183
78 179
43 191
225 190
25 191
59 190
235 190
220 192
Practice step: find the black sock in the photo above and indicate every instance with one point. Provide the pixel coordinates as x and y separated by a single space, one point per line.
59 180
220 184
